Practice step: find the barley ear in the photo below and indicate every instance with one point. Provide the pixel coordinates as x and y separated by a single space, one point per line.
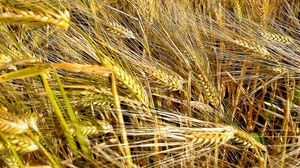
276 38
120 30
174 81
60 19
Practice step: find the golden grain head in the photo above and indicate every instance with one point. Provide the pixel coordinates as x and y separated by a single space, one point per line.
12 124
120 30
61 19
276 38
174 81
21 144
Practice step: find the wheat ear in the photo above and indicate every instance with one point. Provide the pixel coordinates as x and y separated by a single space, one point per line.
98 98
189 136
89 69
129 81
248 141
101 127
277 38
210 135
261 51
174 81
252 46
103 98
209 90
59 19
12 124
238 10
21 144
120 30
147 10
131 84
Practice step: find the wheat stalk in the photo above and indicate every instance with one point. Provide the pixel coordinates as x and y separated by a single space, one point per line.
121 121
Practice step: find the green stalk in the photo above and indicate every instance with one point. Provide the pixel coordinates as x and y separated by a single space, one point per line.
79 134
24 73
51 157
58 113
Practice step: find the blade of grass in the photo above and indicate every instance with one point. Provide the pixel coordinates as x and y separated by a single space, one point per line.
89 69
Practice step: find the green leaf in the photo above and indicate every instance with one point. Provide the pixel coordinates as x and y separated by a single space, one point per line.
258 138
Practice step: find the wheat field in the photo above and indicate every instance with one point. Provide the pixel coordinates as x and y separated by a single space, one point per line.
150 83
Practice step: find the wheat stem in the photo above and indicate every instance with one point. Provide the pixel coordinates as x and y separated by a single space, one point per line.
58 113
72 116
121 121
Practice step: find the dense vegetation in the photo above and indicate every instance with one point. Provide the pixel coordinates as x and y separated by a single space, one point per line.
149 83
